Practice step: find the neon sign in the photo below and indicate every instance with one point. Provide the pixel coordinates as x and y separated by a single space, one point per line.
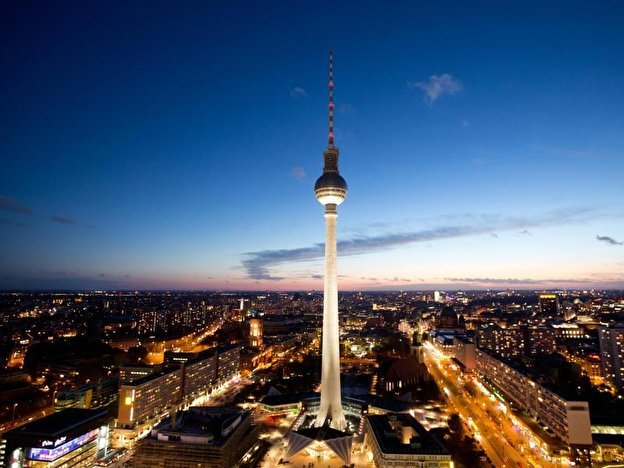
46 454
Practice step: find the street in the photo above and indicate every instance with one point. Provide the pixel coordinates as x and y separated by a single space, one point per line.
504 440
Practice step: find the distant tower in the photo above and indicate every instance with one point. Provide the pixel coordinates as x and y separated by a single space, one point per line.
330 190
255 333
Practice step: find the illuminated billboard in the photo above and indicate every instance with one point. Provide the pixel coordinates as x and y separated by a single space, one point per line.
51 454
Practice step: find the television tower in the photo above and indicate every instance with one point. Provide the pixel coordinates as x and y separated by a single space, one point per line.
330 190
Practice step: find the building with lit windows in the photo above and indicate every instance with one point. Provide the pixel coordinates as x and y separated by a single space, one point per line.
568 420
228 362
212 437
504 342
612 353
200 373
396 440
144 397
541 340
129 372
185 376
90 396
70 438
549 305
568 331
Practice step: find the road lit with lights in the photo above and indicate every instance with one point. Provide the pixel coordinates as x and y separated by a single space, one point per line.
505 440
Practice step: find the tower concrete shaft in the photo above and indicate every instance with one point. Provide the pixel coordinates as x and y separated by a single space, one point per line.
331 402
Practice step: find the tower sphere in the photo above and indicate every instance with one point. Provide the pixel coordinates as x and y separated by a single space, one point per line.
330 188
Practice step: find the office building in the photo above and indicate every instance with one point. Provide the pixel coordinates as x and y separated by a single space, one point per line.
567 419
540 340
465 352
548 305
97 395
130 372
200 373
228 362
400 440
504 342
568 331
213 437
144 398
612 353
70 438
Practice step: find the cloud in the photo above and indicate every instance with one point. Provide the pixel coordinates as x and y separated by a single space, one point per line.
396 279
258 264
298 91
585 153
298 173
10 204
437 86
62 220
516 281
494 235
609 240
526 232
7 222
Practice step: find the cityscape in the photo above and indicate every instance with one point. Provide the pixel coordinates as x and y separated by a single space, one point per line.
187 279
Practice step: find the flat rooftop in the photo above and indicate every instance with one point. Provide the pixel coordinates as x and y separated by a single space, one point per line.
155 375
388 430
208 421
59 423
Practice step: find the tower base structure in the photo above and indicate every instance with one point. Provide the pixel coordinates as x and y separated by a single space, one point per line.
319 440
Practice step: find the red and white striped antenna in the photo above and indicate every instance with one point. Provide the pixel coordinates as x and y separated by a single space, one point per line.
331 99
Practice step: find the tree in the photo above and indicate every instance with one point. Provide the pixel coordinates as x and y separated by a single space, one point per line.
456 426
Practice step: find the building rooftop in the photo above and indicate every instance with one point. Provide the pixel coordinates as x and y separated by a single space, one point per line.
155 375
402 434
464 339
205 425
59 423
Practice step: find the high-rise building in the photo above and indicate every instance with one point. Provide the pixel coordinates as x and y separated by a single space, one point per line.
540 340
612 353
130 371
567 419
228 362
330 190
144 398
504 342
549 305
465 352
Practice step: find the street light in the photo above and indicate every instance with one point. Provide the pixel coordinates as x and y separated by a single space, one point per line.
14 406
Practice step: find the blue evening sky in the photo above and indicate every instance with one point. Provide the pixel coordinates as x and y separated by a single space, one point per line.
176 144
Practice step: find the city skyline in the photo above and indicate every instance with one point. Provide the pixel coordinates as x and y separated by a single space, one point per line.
484 146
